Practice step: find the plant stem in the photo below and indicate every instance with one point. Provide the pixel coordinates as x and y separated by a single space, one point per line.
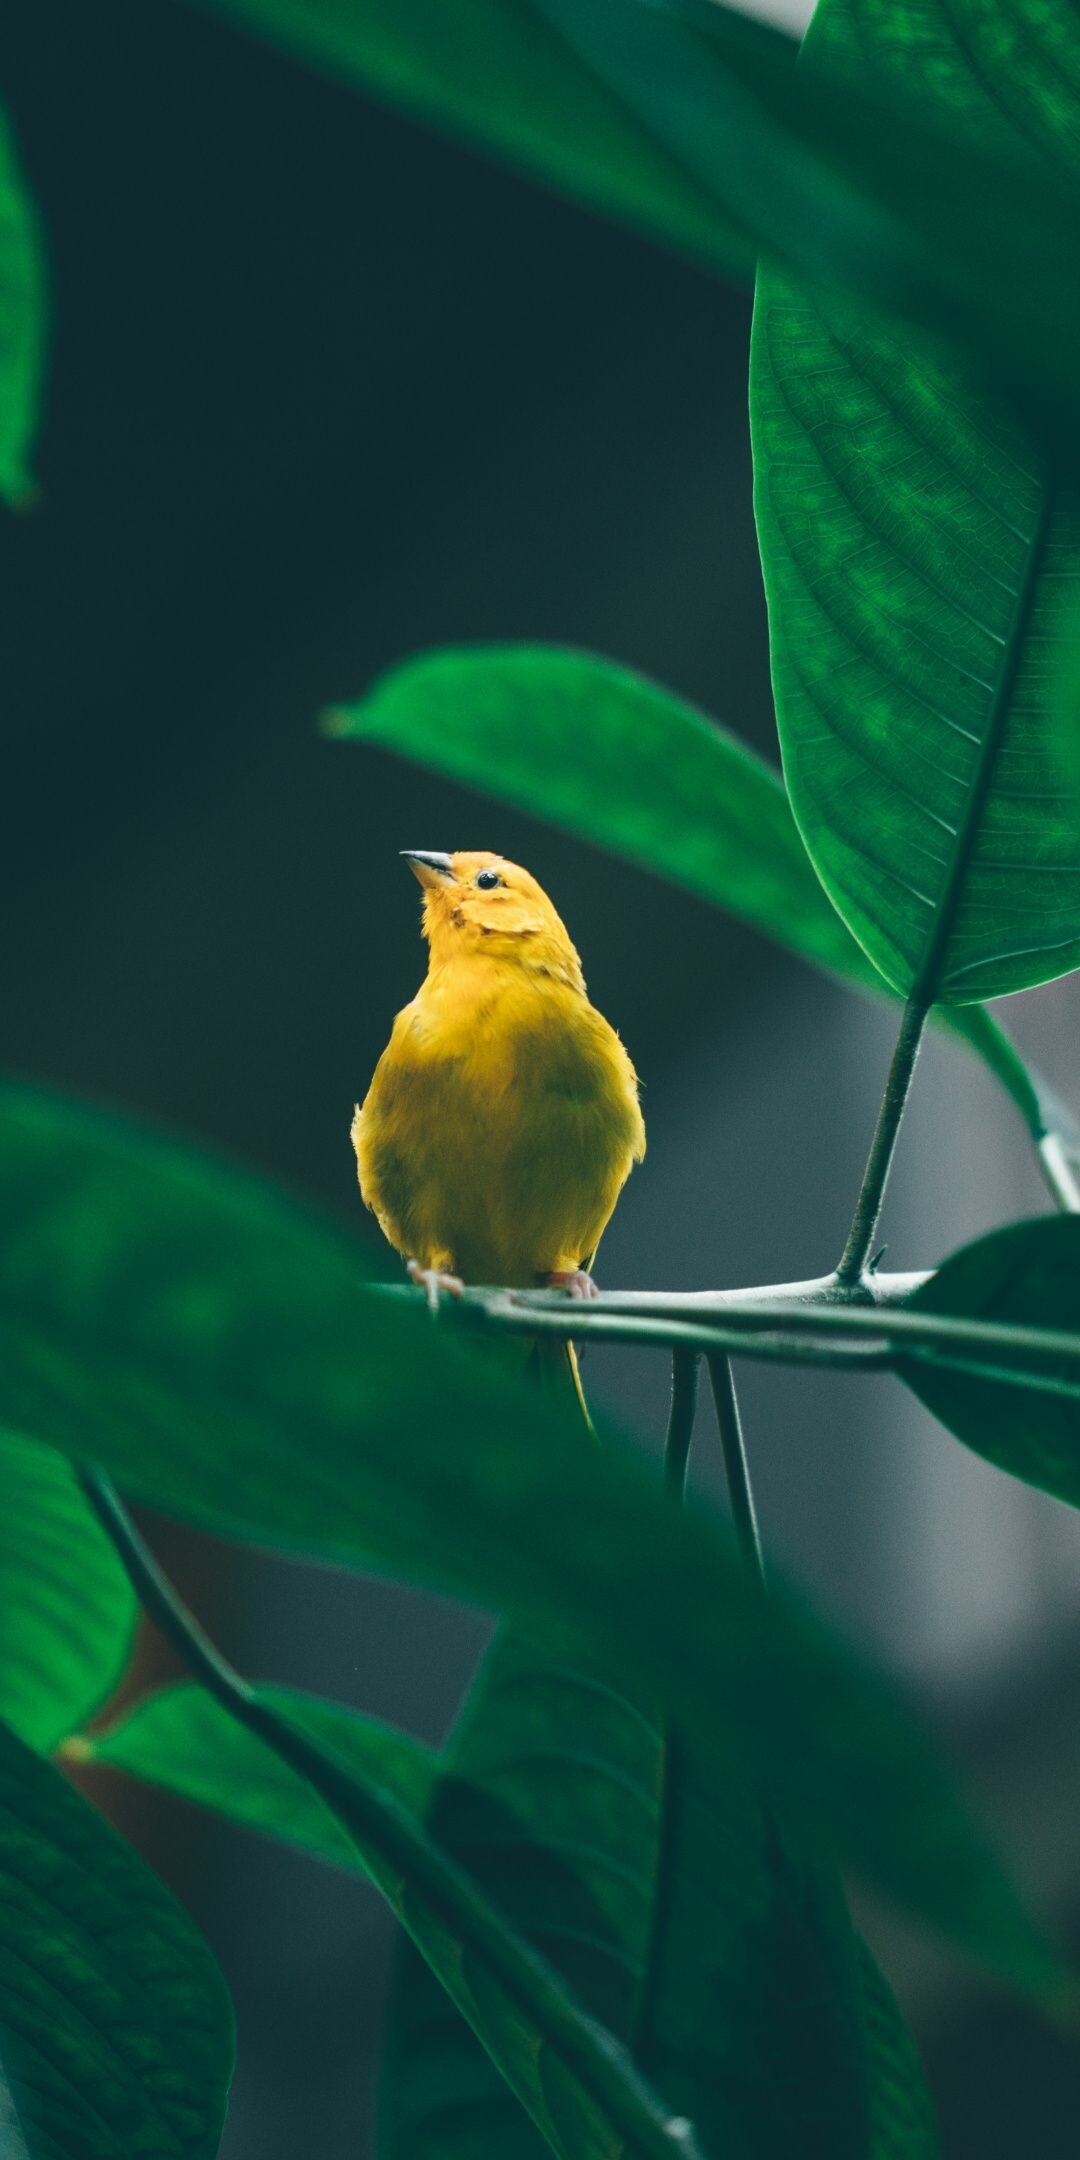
1058 1173
685 1368
736 1465
685 1365
377 1823
863 1230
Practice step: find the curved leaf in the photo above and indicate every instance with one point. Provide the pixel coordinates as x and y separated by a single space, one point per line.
1028 1274
22 324
678 1941
553 1803
695 124
601 752
916 561
496 71
216 1352
67 1610
115 2024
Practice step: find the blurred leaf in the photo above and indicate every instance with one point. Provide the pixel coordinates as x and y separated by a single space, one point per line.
916 560
697 125
180 1739
601 752
187 1743
1028 1275
903 2123
495 71
552 1801
215 1352
734 1978
22 325
67 1611
115 2024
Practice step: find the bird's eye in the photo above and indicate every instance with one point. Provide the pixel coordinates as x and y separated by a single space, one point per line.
487 878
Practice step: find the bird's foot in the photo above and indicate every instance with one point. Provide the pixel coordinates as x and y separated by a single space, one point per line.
574 1281
434 1282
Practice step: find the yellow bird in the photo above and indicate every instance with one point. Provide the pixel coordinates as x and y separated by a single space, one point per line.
503 1118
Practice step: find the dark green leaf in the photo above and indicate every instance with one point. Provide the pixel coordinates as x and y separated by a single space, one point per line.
115 2024
903 2124
698 126
1028 1275
22 324
673 1915
599 751
67 1612
180 1739
553 1804
495 71
916 561
217 1353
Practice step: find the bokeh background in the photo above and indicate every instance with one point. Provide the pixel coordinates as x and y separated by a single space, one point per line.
326 390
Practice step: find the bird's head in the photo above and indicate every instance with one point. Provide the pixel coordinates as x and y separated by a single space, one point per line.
482 904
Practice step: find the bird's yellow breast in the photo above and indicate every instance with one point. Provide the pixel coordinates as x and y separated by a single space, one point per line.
501 1123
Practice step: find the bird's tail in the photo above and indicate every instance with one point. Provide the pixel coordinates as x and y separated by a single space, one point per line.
554 1367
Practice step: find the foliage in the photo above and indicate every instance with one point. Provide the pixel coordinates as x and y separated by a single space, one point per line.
620 1881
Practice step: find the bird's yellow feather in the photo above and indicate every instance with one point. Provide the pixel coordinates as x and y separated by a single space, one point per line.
503 1118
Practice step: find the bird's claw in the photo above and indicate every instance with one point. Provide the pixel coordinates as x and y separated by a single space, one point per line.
433 1282
574 1281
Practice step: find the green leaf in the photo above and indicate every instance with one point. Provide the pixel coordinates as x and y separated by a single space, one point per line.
552 1801
903 2124
1027 1275
67 1611
116 2028
672 1914
916 560
180 1739
217 1353
699 127
193 1747
22 325
602 753
496 72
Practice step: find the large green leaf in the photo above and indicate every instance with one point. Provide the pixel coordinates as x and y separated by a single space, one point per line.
601 752
22 324
917 558
1028 1275
217 1353
675 1915
553 1803
67 1611
116 2032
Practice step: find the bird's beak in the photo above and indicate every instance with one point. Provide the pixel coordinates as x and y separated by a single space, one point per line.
432 870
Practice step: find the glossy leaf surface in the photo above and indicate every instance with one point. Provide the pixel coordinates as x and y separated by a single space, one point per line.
1028 1275
602 753
215 1351
67 1612
115 2024
22 324
916 562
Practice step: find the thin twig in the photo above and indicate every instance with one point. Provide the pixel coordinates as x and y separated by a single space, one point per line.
864 1224
374 1818
737 1466
785 1334
685 1366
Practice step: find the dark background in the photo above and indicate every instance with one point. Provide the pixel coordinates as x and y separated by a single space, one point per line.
326 390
